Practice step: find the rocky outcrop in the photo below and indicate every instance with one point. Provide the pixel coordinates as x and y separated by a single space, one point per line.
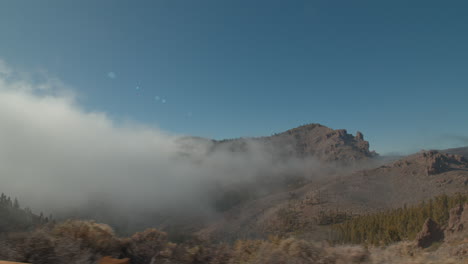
430 233
330 145
433 162
437 162
359 136
458 222
312 140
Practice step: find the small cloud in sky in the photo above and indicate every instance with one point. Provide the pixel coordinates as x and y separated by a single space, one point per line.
137 88
163 101
189 114
157 98
111 75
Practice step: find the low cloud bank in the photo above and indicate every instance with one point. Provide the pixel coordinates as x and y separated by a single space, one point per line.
55 156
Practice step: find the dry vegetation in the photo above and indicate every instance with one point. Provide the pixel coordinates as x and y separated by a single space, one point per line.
83 242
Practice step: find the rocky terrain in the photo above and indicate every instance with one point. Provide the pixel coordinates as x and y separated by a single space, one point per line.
406 181
450 240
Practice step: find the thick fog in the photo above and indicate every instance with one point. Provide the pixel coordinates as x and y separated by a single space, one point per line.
54 156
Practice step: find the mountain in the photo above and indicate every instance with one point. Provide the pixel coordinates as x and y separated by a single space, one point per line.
349 183
312 140
349 179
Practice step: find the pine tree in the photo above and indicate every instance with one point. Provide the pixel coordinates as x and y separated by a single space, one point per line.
398 224
16 204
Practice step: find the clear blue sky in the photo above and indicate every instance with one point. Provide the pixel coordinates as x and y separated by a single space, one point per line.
395 70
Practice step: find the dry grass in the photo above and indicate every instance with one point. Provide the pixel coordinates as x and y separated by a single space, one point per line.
409 253
84 242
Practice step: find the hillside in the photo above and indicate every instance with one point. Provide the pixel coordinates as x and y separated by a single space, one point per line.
406 181
306 154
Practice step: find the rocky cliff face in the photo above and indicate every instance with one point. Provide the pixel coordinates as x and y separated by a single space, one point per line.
458 222
327 144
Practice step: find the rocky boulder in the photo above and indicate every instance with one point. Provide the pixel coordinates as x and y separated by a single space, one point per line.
458 222
430 233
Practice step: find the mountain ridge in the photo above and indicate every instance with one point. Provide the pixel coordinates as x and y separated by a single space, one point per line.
311 140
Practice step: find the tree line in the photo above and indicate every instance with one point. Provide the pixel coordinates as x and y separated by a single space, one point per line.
15 218
397 224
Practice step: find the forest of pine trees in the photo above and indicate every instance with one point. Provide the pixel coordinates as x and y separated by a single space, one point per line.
14 218
397 224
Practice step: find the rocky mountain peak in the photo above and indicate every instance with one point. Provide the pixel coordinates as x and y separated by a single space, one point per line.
359 136
311 140
328 144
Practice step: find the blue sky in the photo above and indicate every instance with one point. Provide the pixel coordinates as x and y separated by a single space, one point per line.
395 70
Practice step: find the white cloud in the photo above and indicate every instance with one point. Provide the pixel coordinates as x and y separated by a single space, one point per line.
54 155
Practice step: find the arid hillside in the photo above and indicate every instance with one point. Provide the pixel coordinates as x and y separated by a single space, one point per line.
306 209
